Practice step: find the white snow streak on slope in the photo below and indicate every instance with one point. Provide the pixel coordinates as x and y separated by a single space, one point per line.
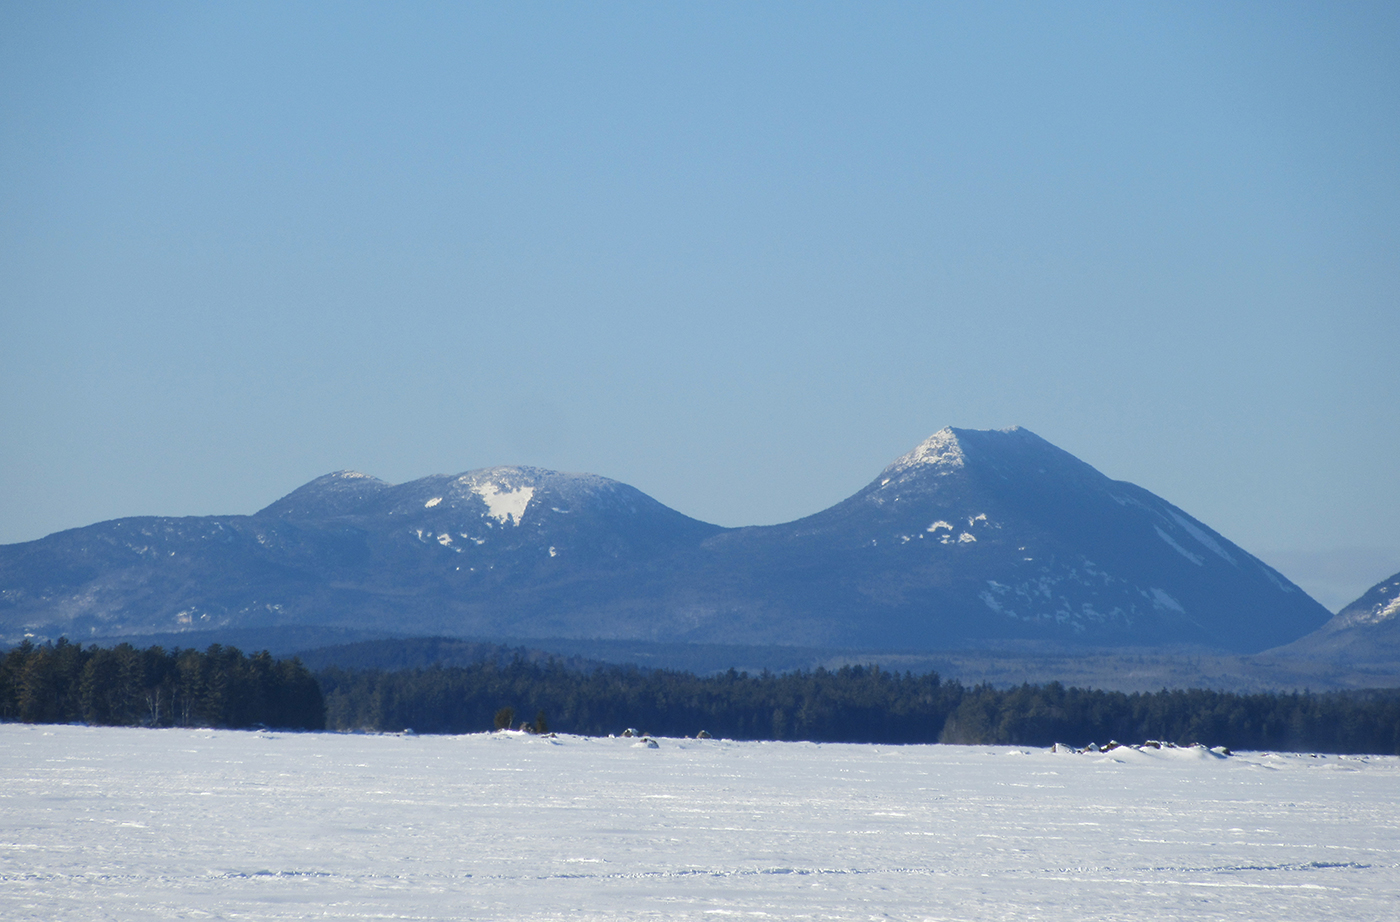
1202 537
1194 558
142 824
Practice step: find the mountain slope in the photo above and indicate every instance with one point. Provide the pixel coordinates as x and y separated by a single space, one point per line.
973 538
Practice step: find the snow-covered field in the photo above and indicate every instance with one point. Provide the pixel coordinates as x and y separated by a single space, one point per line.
192 824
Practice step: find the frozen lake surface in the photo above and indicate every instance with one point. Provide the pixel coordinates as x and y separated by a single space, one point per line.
195 824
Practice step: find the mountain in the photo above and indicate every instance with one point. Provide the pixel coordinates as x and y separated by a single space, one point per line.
973 539
979 537
440 555
1364 634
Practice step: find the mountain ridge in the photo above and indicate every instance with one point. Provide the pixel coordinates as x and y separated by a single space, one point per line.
973 537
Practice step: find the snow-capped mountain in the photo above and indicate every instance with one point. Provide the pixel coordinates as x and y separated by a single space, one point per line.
972 538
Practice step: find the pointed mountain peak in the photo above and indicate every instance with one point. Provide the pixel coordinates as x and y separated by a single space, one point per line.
1014 454
946 451
940 452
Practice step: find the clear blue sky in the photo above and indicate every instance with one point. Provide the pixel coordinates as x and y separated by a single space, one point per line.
739 256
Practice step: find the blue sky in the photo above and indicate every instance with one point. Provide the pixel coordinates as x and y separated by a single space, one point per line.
739 256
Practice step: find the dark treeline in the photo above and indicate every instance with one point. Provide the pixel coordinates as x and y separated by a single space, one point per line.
853 704
66 683
122 686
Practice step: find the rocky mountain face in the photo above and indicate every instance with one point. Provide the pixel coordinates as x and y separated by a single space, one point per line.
974 538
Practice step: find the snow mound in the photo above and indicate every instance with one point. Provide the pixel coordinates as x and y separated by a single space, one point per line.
1151 748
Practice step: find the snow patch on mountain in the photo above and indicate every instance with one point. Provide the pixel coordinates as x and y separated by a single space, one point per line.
1164 601
503 505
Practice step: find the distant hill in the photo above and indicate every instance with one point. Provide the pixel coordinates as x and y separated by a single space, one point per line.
1364 635
973 540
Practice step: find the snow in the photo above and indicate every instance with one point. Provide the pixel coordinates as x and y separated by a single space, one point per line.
1043 599
1205 539
504 504
1162 600
162 824
1381 611
432 502
939 451
1194 558
1274 577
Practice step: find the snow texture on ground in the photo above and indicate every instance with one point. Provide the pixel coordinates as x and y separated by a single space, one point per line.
193 824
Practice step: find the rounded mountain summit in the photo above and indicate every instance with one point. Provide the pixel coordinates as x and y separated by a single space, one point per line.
972 539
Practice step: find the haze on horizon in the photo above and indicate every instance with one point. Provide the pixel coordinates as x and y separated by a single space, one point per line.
739 257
